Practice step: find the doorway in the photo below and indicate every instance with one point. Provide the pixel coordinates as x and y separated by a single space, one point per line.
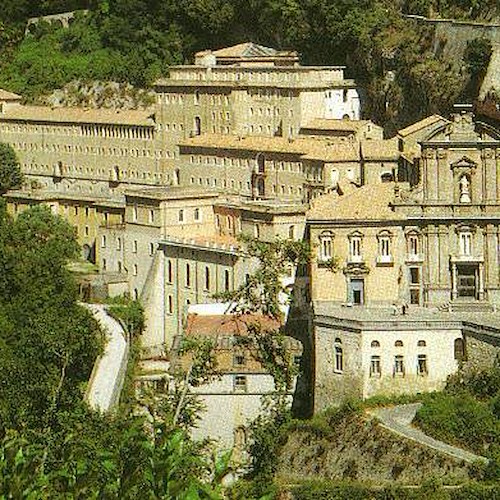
467 279
357 291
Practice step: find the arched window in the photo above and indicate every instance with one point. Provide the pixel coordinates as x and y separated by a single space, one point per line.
459 349
398 343
375 343
387 177
421 343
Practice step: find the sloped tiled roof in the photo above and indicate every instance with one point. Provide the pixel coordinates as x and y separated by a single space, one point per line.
421 124
369 202
227 324
337 124
248 143
386 149
79 115
247 49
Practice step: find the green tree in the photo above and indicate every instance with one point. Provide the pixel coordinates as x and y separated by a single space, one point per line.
10 169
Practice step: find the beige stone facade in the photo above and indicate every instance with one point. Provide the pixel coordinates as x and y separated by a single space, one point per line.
408 262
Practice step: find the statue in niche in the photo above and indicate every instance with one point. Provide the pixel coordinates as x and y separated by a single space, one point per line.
464 190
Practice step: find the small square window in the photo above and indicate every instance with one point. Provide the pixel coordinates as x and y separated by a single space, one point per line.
240 383
239 360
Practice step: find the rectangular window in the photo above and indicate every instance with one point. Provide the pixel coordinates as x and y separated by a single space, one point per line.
385 247
134 246
422 364
326 248
375 367
399 367
118 244
414 275
181 215
240 383
197 214
151 216
239 360
207 278
355 249
413 246
466 244
134 214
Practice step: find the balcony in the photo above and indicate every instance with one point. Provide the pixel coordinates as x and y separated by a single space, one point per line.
385 260
414 257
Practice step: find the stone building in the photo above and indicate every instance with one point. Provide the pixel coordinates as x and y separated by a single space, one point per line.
405 272
249 89
234 398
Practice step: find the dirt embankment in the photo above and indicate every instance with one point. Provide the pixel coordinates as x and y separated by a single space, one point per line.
357 448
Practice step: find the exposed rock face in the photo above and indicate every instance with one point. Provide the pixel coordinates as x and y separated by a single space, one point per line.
357 449
99 95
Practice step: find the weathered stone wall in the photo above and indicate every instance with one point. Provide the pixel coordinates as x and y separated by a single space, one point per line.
482 352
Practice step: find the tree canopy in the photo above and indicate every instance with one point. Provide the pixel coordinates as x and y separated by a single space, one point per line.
10 169
136 41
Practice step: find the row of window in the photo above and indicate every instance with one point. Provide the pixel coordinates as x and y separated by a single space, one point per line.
384 239
105 131
119 244
262 162
73 169
398 367
91 150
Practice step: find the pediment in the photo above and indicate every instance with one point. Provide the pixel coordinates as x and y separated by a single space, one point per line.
464 162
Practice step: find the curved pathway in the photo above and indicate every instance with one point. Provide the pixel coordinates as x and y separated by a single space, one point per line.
106 381
398 419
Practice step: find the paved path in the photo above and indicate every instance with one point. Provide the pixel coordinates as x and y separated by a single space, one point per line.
398 419
106 381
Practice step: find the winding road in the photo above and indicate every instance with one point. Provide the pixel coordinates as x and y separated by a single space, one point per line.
398 419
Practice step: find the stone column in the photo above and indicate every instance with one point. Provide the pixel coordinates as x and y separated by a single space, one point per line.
491 256
480 284
444 252
440 177
489 175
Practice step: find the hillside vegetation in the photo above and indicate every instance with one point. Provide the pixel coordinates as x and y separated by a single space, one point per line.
136 41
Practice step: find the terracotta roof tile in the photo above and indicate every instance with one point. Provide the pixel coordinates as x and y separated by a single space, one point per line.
369 202
227 324
79 115
337 124
426 122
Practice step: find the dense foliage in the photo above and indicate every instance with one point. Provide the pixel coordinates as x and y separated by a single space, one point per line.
48 343
51 444
392 58
11 176
467 414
